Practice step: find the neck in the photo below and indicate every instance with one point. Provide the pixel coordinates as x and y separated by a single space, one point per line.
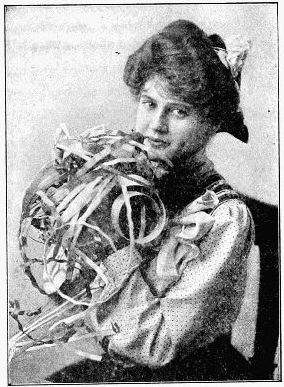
187 180
194 161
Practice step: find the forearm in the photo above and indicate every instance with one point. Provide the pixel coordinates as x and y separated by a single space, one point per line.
143 334
199 307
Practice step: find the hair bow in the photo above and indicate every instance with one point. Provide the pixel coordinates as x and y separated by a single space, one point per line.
237 48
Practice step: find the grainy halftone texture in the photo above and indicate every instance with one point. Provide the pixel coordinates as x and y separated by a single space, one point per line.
65 64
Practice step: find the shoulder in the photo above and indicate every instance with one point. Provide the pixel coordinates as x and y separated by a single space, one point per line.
230 206
232 233
234 211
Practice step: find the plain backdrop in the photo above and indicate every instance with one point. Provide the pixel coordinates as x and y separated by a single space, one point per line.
64 64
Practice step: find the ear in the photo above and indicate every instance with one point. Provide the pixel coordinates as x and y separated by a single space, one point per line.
210 130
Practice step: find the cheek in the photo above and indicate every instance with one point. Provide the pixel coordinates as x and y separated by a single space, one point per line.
191 137
183 132
141 119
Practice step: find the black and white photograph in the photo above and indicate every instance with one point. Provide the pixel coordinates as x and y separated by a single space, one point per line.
142 181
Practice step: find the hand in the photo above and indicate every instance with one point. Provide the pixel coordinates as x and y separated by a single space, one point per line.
194 226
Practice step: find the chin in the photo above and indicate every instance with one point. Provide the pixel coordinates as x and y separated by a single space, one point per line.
157 154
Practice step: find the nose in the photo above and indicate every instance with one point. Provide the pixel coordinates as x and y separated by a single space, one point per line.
159 122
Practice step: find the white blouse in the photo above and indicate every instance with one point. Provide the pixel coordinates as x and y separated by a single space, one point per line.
184 298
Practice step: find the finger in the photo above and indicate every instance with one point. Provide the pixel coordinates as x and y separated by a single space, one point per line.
184 221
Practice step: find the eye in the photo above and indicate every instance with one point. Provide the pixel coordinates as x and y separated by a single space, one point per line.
148 103
180 112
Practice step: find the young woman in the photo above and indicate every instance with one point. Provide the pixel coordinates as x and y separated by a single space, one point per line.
174 311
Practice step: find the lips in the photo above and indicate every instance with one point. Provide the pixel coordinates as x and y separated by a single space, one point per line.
156 143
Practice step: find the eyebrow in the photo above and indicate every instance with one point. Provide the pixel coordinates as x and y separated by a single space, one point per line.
143 92
175 102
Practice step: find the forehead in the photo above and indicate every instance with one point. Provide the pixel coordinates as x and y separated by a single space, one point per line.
158 87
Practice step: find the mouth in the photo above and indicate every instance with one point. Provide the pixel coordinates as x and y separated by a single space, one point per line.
156 143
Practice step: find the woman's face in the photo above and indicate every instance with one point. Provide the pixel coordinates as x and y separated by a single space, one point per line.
172 127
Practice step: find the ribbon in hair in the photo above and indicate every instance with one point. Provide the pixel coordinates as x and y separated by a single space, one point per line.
235 55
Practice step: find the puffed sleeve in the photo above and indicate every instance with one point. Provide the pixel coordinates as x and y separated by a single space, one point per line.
200 306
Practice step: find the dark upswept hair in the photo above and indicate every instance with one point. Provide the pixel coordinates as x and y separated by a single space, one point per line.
184 55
